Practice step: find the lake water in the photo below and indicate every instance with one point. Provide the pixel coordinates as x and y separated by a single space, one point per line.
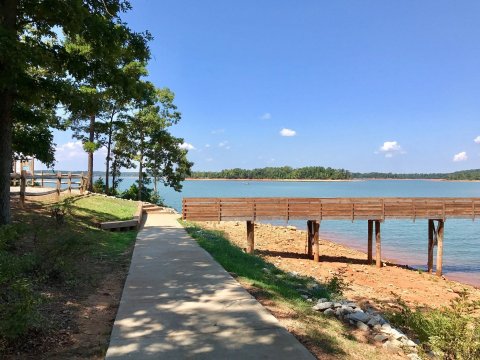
402 241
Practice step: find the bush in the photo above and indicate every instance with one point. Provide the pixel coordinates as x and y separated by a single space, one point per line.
452 332
99 186
18 301
9 234
18 309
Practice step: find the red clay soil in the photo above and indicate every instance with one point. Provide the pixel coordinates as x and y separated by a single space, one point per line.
286 248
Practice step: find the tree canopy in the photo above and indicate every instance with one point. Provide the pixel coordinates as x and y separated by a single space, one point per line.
77 54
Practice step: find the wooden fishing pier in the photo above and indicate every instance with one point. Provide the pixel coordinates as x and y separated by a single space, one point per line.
314 210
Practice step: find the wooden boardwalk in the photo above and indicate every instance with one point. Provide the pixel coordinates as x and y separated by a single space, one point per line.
314 210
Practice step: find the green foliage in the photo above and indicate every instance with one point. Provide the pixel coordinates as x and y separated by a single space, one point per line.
453 332
285 172
336 286
156 199
18 309
55 259
99 186
9 234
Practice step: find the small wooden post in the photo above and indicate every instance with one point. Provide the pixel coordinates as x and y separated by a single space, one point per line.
42 178
431 245
309 239
316 230
440 247
59 184
23 185
370 242
69 183
250 237
378 240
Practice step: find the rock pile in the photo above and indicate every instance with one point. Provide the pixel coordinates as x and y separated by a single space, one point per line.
371 322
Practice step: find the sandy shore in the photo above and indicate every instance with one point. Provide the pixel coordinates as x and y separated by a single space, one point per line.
286 248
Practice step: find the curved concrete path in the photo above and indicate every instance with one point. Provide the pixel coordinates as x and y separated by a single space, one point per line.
179 303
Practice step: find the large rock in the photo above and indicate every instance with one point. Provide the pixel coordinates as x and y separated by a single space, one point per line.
386 328
323 306
346 309
359 316
329 312
380 338
362 326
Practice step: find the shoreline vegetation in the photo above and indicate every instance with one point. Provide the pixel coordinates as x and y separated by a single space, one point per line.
313 173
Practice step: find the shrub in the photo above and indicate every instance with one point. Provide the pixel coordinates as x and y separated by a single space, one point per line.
452 332
18 309
9 234
99 186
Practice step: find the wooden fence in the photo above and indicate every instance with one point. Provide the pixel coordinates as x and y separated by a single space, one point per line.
72 181
314 210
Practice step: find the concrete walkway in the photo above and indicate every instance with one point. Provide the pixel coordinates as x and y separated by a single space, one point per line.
179 303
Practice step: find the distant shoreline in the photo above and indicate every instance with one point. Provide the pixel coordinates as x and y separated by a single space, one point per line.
325 180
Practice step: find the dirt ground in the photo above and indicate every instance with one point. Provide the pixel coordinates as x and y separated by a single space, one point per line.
286 248
80 319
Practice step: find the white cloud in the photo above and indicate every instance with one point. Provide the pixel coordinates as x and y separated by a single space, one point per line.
187 146
390 149
266 116
461 156
70 150
477 139
207 145
288 132
390 146
218 131
224 145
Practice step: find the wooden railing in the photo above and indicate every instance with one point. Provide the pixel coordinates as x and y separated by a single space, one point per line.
72 181
252 209
314 210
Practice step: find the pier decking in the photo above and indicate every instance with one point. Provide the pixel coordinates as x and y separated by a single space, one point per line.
314 210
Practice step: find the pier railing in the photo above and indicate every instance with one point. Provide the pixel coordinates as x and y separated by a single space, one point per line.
314 210
63 183
252 209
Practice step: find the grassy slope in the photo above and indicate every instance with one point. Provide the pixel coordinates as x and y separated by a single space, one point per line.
282 293
66 261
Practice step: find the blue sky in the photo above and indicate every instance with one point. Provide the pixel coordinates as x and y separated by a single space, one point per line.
362 85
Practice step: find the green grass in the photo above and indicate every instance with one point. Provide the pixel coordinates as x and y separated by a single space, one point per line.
278 284
99 208
39 255
329 336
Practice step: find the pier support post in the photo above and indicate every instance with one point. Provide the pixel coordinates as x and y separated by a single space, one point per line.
316 230
370 242
310 238
250 237
431 245
378 241
440 247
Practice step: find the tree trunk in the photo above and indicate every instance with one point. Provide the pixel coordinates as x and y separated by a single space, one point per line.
91 139
6 101
140 178
8 9
107 160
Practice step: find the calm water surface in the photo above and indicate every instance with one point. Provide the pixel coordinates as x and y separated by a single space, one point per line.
403 241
